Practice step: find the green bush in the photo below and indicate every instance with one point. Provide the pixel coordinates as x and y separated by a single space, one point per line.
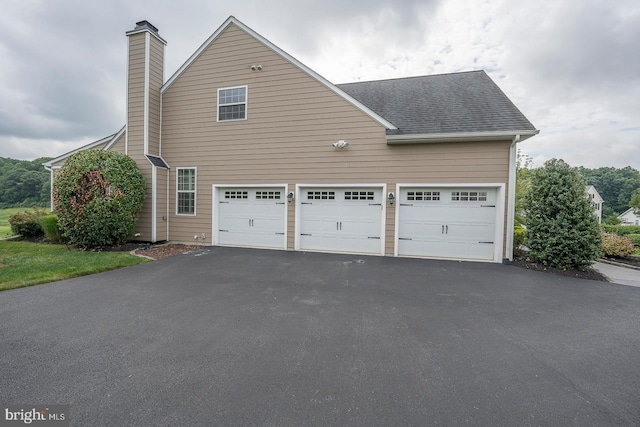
98 196
616 246
621 230
562 231
49 224
635 238
519 234
25 223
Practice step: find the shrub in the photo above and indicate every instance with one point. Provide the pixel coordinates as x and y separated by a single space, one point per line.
49 224
562 231
616 246
25 223
519 234
622 230
635 238
98 196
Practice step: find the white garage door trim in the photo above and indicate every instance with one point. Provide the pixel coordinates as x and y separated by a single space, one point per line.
499 218
215 207
300 188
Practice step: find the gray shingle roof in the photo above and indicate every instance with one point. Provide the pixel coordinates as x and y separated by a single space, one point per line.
445 103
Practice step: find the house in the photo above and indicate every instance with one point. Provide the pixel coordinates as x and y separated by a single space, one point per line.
629 217
246 146
596 201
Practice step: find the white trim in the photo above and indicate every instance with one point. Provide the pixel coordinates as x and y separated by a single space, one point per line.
84 147
383 218
168 200
195 192
114 139
246 103
142 30
511 197
126 98
460 136
283 54
215 221
147 55
500 223
154 200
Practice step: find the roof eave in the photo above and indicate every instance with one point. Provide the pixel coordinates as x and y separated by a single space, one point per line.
93 144
430 138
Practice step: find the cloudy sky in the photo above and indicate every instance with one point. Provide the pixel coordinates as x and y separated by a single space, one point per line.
572 67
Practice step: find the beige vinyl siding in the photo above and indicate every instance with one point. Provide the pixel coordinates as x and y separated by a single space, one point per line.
119 145
161 203
135 126
156 79
292 120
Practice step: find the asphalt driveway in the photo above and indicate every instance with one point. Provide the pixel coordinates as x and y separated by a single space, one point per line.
227 336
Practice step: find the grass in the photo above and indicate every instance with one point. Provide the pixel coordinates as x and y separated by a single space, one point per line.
26 264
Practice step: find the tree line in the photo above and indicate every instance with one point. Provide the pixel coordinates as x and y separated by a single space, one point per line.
24 183
617 186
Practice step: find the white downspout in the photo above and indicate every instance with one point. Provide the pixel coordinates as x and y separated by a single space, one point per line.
511 196
50 186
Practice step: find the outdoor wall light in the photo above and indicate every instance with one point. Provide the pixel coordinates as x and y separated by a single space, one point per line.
290 197
340 144
391 197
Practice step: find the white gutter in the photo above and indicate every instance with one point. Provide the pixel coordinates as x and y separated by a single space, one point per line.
461 136
511 196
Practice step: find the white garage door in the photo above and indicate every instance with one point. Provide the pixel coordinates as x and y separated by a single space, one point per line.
447 222
252 217
341 220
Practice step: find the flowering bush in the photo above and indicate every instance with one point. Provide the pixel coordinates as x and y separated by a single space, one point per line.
98 196
616 246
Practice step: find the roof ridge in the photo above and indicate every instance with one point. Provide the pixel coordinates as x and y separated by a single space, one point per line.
414 77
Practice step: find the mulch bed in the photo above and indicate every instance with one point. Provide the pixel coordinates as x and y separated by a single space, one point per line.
589 274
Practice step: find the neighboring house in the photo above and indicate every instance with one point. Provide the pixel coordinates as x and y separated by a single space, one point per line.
246 146
628 217
596 201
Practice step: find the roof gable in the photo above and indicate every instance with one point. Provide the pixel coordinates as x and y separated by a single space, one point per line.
444 104
106 143
233 21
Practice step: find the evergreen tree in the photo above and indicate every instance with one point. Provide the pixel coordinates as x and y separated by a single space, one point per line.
562 231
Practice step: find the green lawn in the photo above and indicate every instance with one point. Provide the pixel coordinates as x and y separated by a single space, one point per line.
25 264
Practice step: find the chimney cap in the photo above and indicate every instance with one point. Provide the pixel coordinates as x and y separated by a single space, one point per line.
141 25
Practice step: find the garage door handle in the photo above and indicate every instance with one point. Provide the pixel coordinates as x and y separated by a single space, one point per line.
306 203
305 234
442 232
406 204
447 229
405 238
223 202
490 243
279 203
375 204
373 238
224 231
280 234
487 206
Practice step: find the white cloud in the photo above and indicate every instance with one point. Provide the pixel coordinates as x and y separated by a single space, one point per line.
572 68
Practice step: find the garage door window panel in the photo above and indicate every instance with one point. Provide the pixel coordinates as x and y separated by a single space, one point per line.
186 191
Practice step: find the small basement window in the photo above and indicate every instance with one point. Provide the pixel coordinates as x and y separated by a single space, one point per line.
232 103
